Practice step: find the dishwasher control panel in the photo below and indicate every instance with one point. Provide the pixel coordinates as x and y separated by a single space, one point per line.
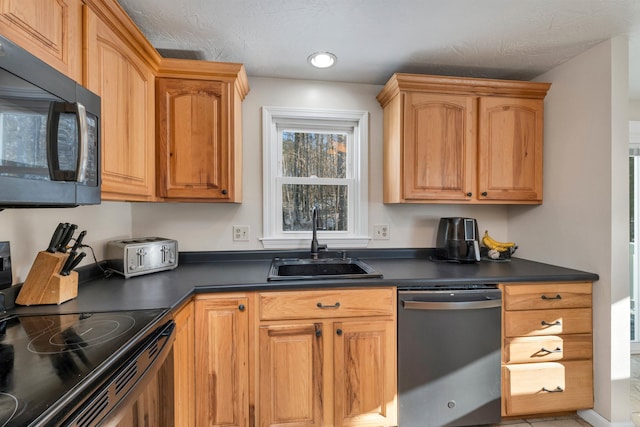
134 257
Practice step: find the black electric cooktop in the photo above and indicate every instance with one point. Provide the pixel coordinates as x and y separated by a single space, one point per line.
46 358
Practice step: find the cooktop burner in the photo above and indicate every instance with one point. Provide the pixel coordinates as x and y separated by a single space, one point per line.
42 358
88 333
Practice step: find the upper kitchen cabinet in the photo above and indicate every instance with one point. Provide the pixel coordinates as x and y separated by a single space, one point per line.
199 132
49 29
462 140
119 66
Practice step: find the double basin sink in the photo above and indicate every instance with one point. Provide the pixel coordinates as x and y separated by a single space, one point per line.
323 268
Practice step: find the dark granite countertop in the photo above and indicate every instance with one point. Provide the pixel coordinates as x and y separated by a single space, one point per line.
248 271
202 272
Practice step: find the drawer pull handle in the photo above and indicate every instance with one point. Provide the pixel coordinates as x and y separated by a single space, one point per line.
555 390
558 296
557 350
321 305
556 323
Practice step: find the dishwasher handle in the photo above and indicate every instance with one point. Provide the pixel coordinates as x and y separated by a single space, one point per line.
451 305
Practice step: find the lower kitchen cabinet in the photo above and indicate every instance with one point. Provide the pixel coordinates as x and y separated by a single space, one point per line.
365 373
327 358
222 359
547 358
290 369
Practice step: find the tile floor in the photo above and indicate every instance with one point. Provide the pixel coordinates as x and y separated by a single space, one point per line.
566 421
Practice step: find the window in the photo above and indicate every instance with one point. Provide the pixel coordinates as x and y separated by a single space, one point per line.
314 158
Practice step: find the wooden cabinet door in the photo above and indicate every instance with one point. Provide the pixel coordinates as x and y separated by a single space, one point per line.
222 362
193 139
126 85
183 358
510 149
439 147
365 373
290 375
49 29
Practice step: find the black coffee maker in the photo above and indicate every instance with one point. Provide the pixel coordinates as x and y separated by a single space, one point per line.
457 240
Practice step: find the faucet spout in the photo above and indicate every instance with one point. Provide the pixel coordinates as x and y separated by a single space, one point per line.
315 246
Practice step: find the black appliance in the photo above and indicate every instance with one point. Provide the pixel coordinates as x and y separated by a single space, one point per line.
54 369
457 240
49 135
449 356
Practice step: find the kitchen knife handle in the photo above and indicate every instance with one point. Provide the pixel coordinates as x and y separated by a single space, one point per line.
71 228
71 263
76 261
66 267
55 238
78 242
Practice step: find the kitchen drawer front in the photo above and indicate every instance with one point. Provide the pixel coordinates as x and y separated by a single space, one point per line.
552 295
327 304
548 348
525 387
547 322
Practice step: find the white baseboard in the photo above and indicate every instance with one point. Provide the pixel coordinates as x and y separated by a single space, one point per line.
596 420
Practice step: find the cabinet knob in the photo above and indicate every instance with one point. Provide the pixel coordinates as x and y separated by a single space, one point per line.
469 194
339 331
224 192
484 194
318 331
241 307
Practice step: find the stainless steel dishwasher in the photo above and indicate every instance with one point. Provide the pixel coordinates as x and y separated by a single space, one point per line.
449 355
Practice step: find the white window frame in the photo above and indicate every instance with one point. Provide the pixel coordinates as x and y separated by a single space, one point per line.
353 122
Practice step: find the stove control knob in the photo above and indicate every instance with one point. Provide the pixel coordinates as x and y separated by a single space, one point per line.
451 404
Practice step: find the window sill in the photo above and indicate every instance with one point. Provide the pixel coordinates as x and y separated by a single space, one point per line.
332 243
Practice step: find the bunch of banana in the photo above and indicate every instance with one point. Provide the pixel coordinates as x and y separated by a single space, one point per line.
493 244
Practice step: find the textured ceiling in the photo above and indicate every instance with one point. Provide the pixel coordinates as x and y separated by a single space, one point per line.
506 39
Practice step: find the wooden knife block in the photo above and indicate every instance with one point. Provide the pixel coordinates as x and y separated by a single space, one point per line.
45 285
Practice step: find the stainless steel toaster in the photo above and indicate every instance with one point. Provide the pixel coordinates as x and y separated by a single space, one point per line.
136 256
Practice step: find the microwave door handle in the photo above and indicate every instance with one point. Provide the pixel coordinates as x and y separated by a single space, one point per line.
53 161
83 139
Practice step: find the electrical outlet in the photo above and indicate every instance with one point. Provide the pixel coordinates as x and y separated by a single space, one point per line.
240 233
381 232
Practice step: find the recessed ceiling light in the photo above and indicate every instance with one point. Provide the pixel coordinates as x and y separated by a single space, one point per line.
322 59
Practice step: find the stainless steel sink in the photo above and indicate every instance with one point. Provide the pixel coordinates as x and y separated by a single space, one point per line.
323 268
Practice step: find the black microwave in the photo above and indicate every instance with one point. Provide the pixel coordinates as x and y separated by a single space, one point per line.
49 135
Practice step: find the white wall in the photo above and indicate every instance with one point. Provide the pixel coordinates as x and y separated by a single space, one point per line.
29 230
208 226
583 222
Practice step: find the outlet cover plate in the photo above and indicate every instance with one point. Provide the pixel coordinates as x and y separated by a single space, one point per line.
240 233
381 232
